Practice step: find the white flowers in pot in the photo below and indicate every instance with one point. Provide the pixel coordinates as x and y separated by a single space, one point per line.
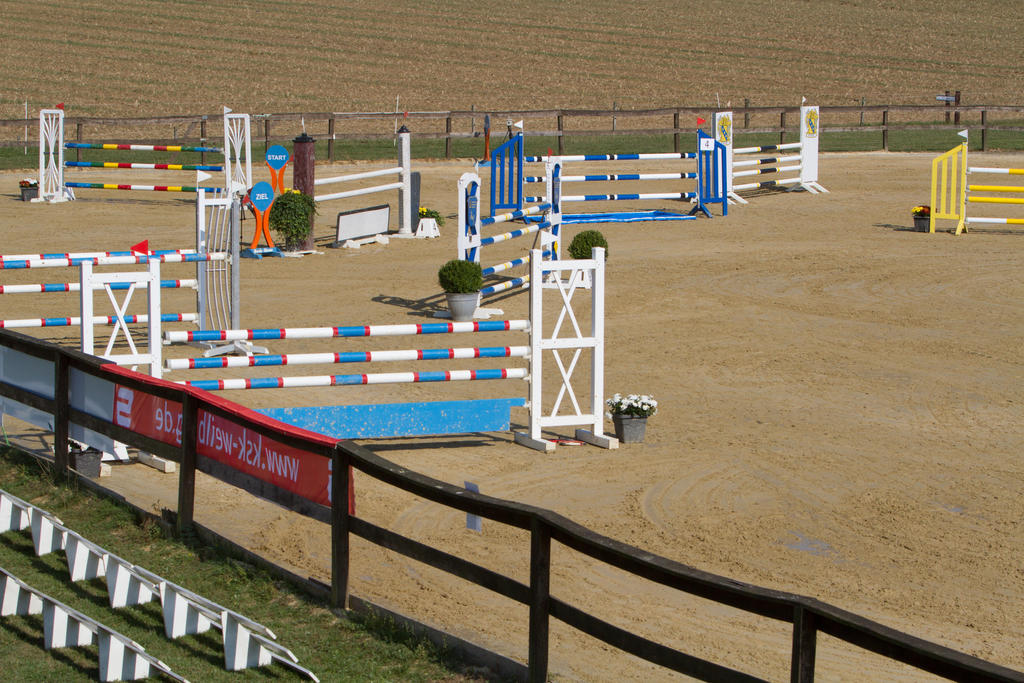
632 405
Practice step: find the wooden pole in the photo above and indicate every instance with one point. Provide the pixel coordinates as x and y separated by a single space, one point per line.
804 646
330 139
304 174
540 601
448 137
340 489
187 476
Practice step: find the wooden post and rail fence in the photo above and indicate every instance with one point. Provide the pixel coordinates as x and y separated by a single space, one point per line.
806 616
337 128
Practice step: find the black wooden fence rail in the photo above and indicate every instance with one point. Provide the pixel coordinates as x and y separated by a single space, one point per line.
460 125
807 615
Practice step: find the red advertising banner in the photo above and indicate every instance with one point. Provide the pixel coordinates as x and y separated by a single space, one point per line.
305 474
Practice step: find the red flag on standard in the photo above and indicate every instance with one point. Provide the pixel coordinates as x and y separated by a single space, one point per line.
141 248
60 105
700 121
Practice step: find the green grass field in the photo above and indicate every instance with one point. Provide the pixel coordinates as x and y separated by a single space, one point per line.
336 649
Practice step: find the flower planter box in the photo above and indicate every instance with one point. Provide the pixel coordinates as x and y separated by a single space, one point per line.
29 193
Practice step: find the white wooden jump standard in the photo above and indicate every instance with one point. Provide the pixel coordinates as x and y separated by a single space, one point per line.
150 281
806 168
591 415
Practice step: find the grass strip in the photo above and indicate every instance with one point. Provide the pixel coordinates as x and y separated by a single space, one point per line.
335 648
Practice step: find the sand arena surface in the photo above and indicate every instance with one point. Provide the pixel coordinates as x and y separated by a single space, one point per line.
841 412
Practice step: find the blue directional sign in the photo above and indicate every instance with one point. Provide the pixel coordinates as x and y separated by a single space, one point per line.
262 196
277 157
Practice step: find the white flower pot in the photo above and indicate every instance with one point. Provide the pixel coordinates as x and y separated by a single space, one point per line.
462 306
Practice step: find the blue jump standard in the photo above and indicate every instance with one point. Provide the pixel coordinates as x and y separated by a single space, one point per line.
401 419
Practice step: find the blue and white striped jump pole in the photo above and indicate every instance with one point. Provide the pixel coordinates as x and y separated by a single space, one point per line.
184 336
370 378
338 357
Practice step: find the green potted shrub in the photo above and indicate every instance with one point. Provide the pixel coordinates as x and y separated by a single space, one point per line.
584 241
291 218
461 282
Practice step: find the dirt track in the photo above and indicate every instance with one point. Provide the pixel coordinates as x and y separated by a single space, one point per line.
841 413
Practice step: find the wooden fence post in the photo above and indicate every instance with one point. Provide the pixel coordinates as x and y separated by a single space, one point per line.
561 136
448 137
330 138
202 139
675 135
78 134
984 130
540 600
187 477
746 112
782 124
804 646
266 133
339 528
885 130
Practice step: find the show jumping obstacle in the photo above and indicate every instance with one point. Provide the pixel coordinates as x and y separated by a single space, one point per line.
435 418
508 180
951 193
237 167
806 158
216 282
406 210
471 240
